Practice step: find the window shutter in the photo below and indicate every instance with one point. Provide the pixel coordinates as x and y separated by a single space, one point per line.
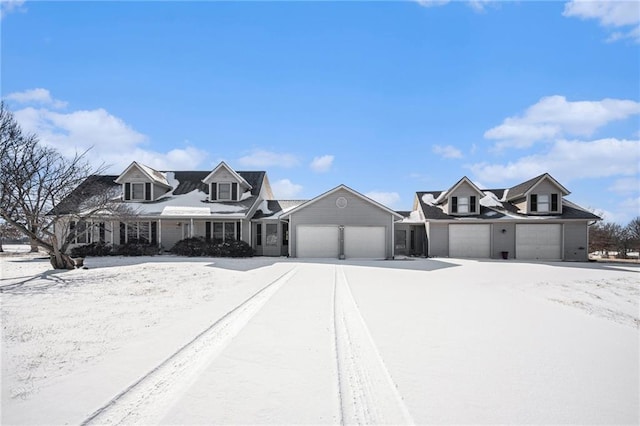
472 204
258 234
127 191
207 231
123 233
214 191
102 232
534 203
147 191
154 232
554 202
238 228
234 191
454 204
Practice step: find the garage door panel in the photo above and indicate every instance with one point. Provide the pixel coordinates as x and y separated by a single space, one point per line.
364 242
472 240
317 241
539 241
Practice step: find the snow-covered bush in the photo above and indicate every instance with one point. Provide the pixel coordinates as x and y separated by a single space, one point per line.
93 249
200 247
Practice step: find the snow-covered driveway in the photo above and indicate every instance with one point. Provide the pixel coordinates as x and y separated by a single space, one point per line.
275 341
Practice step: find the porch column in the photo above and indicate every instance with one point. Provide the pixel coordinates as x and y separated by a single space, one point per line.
191 228
112 232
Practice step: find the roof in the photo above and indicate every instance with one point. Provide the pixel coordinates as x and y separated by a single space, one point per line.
237 175
338 188
273 209
523 188
152 174
496 205
189 196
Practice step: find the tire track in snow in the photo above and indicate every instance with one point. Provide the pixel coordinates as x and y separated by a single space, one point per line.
367 392
148 399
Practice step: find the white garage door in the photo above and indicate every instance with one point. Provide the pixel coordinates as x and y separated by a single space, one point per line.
542 242
317 241
364 242
470 241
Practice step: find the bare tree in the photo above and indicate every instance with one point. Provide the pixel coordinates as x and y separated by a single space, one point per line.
40 191
7 232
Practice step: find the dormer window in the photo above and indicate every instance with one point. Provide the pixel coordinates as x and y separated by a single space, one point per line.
463 204
224 191
544 203
137 191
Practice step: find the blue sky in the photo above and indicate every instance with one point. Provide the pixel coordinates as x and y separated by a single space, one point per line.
388 98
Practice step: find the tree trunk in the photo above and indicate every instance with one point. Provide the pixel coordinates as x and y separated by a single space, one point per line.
61 260
34 245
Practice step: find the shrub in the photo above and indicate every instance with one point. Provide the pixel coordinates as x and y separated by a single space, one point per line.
93 249
200 247
136 248
191 247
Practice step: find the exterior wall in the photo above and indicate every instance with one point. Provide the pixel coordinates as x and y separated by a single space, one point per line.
358 212
503 241
464 190
417 231
576 244
172 231
223 175
159 190
545 187
264 249
134 175
521 204
438 235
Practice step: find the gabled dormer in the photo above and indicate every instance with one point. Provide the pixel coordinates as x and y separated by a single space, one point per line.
462 199
225 184
541 195
142 183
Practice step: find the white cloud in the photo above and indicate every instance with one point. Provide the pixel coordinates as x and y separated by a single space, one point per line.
285 189
448 151
8 6
264 158
36 96
431 3
554 117
322 164
567 160
389 199
609 13
111 141
627 185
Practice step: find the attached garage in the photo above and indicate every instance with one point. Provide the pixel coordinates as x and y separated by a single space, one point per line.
470 240
341 223
539 241
366 242
318 241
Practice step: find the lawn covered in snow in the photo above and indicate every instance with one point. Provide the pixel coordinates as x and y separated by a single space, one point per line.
171 340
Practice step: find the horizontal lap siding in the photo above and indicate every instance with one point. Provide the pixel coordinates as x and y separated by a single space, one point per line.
438 235
357 213
575 241
504 241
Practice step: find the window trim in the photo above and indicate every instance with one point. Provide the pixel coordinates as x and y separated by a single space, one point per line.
468 202
551 199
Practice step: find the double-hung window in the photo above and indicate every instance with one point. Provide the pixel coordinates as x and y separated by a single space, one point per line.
137 191
224 191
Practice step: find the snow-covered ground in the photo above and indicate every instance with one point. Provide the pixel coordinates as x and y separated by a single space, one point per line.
170 340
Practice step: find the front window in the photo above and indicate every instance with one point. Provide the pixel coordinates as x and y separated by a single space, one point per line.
218 228
463 205
224 191
229 231
401 239
272 234
137 191
543 203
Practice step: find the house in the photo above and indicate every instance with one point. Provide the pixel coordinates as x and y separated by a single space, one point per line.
532 220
